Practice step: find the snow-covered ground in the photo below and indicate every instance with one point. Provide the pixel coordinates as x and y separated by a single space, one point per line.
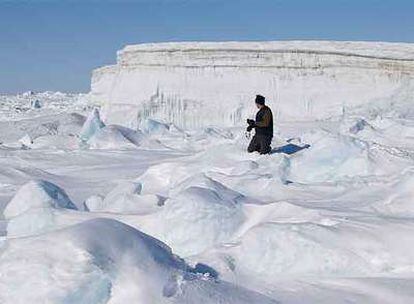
27 105
95 212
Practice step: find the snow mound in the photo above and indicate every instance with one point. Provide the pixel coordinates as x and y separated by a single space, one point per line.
359 125
331 158
32 208
284 212
382 130
197 218
218 133
152 126
135 204
112 137
125 198
26 141
135 137
28 106
287 249
201 180
94 203
71 124
38 194
400 202
124 266
160 178
313 249
58 130
161 135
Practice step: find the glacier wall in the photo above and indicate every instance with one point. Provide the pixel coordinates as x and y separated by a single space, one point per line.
207 83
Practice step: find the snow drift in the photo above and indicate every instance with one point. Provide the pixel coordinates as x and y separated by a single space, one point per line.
38 194
32 208
123 265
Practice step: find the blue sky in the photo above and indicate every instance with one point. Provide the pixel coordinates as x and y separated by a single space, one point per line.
54 45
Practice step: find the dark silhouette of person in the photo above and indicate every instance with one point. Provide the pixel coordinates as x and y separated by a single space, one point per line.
263 126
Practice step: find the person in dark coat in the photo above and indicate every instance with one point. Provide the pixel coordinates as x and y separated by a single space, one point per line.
263 126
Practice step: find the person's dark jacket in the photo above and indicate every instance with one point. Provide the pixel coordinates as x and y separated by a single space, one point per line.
264 122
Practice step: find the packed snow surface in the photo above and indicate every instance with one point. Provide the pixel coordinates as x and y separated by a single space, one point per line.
168 207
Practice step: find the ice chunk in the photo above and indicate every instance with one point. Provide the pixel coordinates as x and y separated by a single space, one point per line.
32 209
33 221
197 218
26 141
135 137
331 158
38 194
122 189
92 124
135 204
218 132
158 179
94 203
28 94
358 126
126 198
152 126
203 181
35 104
111 137
295 248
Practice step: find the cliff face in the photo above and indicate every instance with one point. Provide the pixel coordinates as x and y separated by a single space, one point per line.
198 84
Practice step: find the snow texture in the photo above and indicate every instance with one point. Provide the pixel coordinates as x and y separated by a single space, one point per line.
157 201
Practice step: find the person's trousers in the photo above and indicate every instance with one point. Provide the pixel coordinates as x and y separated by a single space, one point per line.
261 144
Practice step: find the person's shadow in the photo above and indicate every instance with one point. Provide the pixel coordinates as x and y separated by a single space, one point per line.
288 149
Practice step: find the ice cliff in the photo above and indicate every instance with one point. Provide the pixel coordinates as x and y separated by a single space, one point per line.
195 84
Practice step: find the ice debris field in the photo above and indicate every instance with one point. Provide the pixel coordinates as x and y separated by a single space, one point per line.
142 190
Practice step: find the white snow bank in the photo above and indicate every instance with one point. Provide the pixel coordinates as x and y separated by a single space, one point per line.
331 158
28 106
71 124
284 212
400 202
99 136
110 137
33 221
94 203
38 194
271 249
160 178
201 180
382 130
32 208
125 198
26 141
197 218
152 126
105 261
58 130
